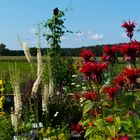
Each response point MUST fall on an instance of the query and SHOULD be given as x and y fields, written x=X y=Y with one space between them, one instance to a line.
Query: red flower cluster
x=77 y=128
x=109 y=53
x=124 y=138
x=136 y=45
x=87 y=69
x=111 y=91
x=120 y=80
x=129 y=26
x=90 y=69
x=132 y=74
x=90 y=95
x=110 y=50
x=127 y=78
x=130 y=50
x=86 y=54
x=93 y=70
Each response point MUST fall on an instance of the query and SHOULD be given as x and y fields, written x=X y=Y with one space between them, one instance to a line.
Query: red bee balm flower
x=110 y=50
x=129 y=26
x=132 y=74
x=77 y=128
x=109 y=53
x=87 y=69
x=111 y=91
x=121 y=138
x=93 y=70
x=86 y=54
x=120 y=80
x=90 y=95
x=130 y=51
x=136 y=45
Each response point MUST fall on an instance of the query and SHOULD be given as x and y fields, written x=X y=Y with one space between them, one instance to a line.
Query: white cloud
x=124 y=35
x=96 y=36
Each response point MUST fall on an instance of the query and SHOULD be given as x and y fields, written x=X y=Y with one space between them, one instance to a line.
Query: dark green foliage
x=64 y=51
x=3 y=49
x=62 y=71
x=6 y=131
x=66 y=108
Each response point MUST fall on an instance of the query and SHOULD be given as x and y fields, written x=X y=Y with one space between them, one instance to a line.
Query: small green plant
x=60 y=133
x=6 y=130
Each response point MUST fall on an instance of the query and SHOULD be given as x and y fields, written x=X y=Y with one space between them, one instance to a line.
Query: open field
x=14 y=58
x=24 y=67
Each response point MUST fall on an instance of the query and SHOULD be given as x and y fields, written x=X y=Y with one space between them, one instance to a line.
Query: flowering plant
x=129 y=26
x=110 y=110
x=2 y=97
x=130 y=51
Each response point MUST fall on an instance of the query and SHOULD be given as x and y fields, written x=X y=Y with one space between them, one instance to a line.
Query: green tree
x=55 y=30
x=2 y=49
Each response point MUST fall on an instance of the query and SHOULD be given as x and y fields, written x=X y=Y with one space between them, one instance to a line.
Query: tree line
x=75 y=52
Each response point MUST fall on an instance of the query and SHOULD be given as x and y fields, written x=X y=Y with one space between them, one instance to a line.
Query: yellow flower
x=1 y=101
x=1 y=82
x=2 y=89
x=61 y=137
x=53 y=138
x=2 y=113
x=48 y=131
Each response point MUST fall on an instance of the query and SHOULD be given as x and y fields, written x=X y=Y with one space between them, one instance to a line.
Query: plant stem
x=36 y=110
x=99 y=97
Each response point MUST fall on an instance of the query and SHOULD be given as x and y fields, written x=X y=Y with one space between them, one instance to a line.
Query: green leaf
x=97 y=137
x=117 y=121
x=88 y=105
x=84 y=122
x=127 y=122
x=99 y=123
x=111 y=130
x=105 y=104
x=136 y=121
x=89 y=131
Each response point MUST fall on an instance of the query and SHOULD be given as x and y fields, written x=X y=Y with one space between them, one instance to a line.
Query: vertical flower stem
x=133 y=100
x=133 y=108
x=99 y=97
x=36 y=110
x=115 y=105
x=130 y=38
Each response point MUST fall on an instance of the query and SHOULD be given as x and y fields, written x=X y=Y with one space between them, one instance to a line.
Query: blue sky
x=99 y=21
